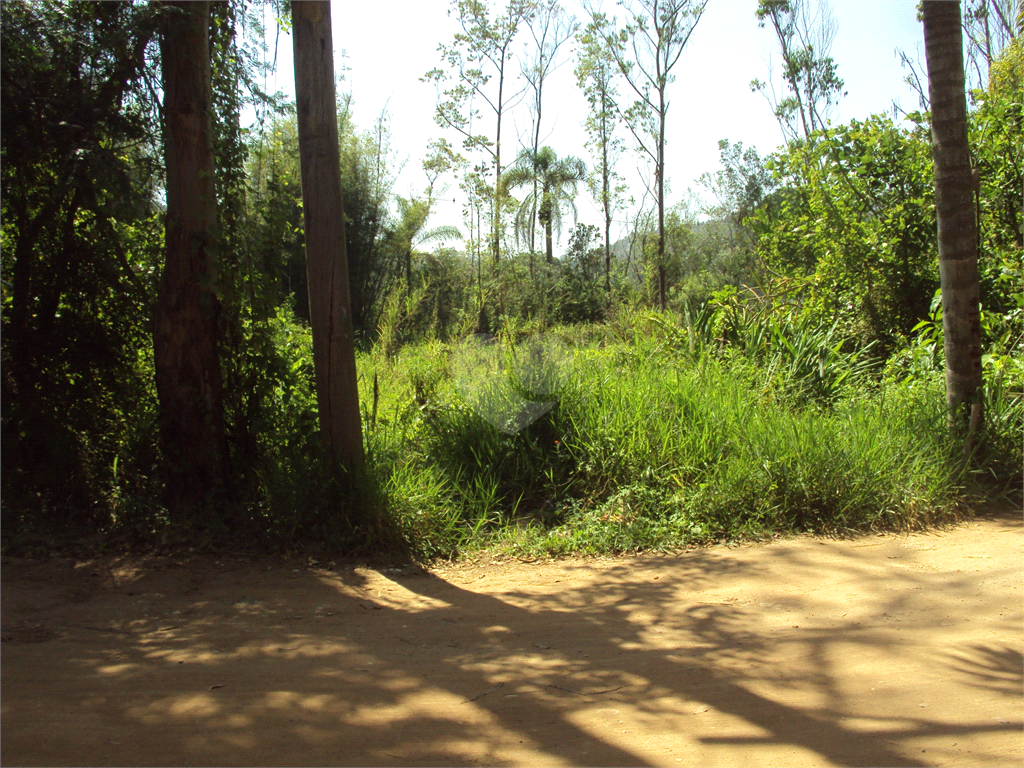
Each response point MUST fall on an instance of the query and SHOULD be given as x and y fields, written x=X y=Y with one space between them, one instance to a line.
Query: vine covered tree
x=80 y=251
x=185 y=349
x=554 y=180
x=955 y=209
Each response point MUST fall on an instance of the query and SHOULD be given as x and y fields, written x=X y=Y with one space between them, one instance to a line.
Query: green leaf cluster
x=854 y=226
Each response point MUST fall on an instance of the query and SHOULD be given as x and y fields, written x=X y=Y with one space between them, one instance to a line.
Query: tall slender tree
x=955 y=208
x=551 y=27
x=334 y=358
x=646 y=51
x=188 y=377
x=595 y=75
x=478 y=61
x=812 y=85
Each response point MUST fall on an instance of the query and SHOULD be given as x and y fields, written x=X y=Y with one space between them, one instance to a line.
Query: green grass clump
x=654 y=443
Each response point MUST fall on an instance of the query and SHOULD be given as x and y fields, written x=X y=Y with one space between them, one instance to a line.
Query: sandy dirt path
x=878 y=651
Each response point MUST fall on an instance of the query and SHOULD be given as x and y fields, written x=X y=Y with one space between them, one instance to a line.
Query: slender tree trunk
x=957 y=225
x=497 y=164
x=536 y=149
x=606 y=200
x=793 y=78
x=661 y=201
x=546 y=218
x=408 y=268
x=479 y=264
x=188 y=376
x=607 y=253
x=533 y=223
x=323 y=218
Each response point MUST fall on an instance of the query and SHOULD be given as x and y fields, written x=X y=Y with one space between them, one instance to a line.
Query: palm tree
x=955 y=208
x=409 y=233
x=556 y=181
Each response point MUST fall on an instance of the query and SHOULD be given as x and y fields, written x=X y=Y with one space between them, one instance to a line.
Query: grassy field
x=657 y=438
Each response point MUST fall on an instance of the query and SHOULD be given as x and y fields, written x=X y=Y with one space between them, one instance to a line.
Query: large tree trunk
x=957 y=225
x=188 y=377
x=334 y=358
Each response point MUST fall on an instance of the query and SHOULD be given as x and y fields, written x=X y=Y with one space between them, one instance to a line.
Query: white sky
x=391 y=45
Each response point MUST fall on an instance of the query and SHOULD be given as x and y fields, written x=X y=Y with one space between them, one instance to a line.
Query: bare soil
x=886 y=650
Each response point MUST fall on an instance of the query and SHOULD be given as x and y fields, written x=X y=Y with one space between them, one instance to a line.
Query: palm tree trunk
x=957 y=225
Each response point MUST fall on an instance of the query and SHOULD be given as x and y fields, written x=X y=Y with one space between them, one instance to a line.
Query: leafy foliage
x=81 y=236
x=854 y=233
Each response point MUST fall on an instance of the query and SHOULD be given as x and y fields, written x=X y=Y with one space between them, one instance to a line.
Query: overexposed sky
x=391 y=45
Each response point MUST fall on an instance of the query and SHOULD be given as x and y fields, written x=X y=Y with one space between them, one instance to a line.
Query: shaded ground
x=885 y=650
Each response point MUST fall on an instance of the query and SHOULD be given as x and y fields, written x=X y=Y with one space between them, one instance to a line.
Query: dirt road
x=884 y=650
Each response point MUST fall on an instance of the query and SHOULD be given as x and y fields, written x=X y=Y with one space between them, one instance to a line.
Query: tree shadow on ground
x=227 y=663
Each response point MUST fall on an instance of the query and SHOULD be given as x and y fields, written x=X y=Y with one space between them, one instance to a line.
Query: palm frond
x=445 y=232
x=553 y=180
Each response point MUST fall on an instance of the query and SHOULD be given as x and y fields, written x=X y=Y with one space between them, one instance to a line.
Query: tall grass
x=658 y=441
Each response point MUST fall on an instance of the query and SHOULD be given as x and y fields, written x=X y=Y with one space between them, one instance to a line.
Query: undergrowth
x=658 y=439
x=662 y=432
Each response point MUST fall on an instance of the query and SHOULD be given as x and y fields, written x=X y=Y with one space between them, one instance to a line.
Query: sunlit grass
x=656 y=444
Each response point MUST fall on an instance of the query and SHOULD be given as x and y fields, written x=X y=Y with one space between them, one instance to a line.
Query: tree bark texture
x=954 y=202
x=323 y=218
x=188 y=376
